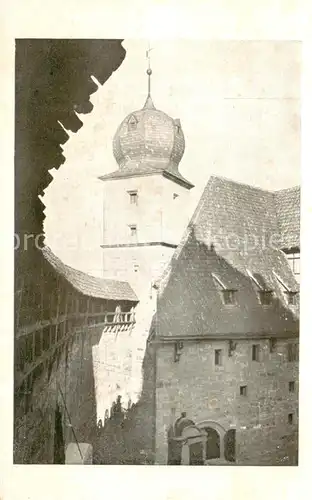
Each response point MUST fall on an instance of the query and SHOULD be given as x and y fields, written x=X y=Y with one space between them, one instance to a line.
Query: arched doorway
x=175 y=440
x=186 y=443
x=229 y=445
x=214 y=449
x=212 y=444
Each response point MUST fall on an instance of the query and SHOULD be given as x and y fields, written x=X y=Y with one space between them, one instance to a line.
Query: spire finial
x=149 y=71
x=149 y=103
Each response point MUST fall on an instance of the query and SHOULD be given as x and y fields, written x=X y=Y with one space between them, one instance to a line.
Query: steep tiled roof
x=287 y=202
x=235 y=230
x=90 y=285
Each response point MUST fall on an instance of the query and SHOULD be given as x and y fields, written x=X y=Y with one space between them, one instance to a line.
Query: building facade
x=220 y=369
x=226 y=335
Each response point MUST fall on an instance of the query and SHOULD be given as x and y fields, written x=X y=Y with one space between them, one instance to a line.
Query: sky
x=239 y=106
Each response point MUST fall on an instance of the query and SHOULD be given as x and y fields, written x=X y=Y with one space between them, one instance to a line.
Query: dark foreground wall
x=52 y=83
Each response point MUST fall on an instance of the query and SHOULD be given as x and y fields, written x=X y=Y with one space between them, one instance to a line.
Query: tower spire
x=149 y=103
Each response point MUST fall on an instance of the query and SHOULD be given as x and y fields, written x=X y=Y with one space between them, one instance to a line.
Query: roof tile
x=88 y=285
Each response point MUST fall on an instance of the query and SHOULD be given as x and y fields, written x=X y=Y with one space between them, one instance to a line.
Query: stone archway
x=194 y=446
x=215 y=439
x=212 y=443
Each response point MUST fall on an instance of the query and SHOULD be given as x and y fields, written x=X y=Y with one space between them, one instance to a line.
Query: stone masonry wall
x=212 y=393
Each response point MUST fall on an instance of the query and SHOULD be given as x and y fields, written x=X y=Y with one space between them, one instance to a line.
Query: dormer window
x=265 y=294
x=132 y=122
x=177 y=125
x=228 y=295
x=291 y=295
x=291 y=298
x=266 y=297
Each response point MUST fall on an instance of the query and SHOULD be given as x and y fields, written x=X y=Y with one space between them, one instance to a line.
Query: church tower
x=145 y=198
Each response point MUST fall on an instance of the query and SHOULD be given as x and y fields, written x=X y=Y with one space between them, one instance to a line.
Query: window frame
x=265 y=294
x=255 y=352
x=273 y=344
x=293 y=257
x=224 y=292
x=132 y=123
x=243 y=390
x=133 y=231
x=218 y=357
x=292 y=352
x=133 y=197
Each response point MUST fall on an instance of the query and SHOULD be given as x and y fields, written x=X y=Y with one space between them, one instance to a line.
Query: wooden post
x=57 y=308
x=20 y=293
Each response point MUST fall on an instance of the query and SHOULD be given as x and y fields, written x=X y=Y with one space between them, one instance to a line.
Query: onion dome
x=149 y=136
x=149 y=141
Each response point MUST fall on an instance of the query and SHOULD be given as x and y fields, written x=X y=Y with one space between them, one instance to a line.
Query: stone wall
x=212 y=393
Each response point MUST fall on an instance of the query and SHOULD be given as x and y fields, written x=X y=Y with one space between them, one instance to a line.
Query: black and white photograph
x=157 y=251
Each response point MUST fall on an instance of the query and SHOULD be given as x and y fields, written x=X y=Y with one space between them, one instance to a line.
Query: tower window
x=291 y=386
x=133 y=231
x=243 y=390
x=290 y=418
x=177 y=124
x=132 y=123
x=133 y=197
x=218 y=357
x=255 y=352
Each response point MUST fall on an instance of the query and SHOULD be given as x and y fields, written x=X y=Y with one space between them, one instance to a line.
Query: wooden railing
x=59 y=338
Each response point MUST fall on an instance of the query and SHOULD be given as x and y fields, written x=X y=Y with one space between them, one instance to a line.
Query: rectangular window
x=228 y=297
x=294 y=262
x=243 y=390
x=273 y=343
x=266 y=297
x=133 y=197
x=293 y=352
x=133 y=231
x=255 y=352
x=291 y=298
x=291 y=386
x=290 y=418
x=218 y=357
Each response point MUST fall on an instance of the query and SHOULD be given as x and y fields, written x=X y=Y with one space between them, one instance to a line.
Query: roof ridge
x=239 y=183
x=257 y=188
x=70 y=268
x=293 y=188
x=88 y=284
